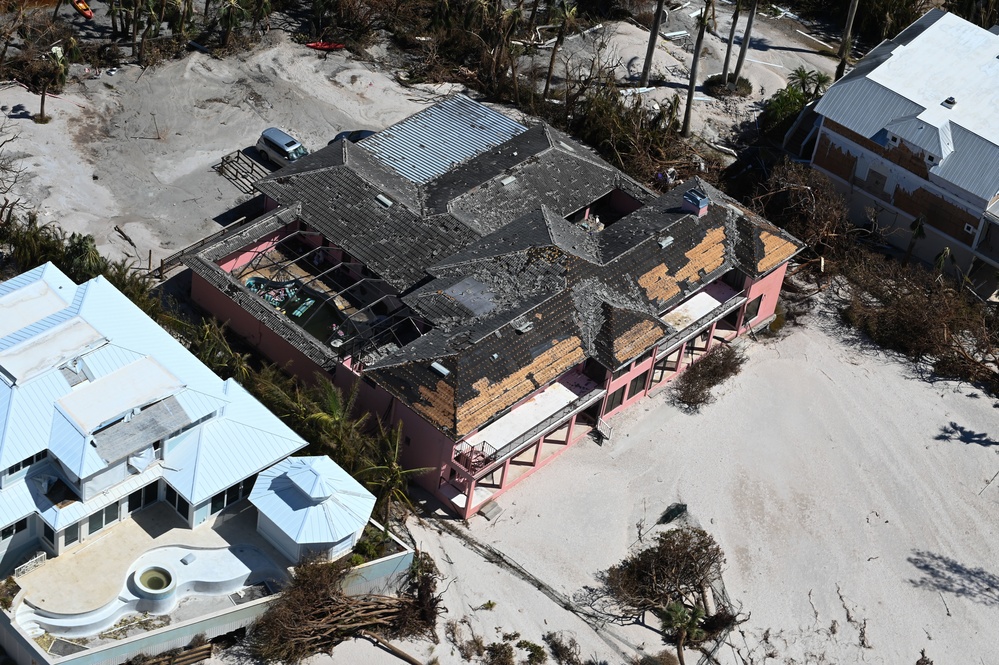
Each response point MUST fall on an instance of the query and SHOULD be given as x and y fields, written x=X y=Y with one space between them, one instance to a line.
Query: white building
x=913 y=131
x=103 y=413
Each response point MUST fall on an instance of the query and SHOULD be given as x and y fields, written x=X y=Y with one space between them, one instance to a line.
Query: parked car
x=353 y=135
x=279 y=148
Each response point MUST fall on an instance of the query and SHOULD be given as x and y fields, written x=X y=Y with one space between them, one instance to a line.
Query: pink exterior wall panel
x=241 y=257
x=244 y=324
x=767 y=287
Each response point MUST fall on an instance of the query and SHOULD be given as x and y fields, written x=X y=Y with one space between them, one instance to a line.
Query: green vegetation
x=926 y=313
x=783 y=107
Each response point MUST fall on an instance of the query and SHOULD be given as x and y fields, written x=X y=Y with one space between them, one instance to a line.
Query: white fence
x=31 y=564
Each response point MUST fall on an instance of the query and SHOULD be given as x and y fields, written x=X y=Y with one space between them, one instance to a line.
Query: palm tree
x=567 y=21
x=702 y=26
x=82 y=261
x=335 y=427
x=685 y=624
x=731 y=41
x=653 y=36
x=820 y=83
x=918 y=233
x=746 y=38
x=846 y=44
x=232 y=15
x=388 y=478
x=803 y=78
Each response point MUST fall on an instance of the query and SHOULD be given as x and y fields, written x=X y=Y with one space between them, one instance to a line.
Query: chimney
x=696 y=202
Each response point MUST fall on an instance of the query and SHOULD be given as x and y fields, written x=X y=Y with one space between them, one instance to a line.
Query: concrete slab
x=91 y=575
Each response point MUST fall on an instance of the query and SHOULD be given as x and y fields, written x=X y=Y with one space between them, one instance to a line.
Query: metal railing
x=537 y=430
x=31 y=564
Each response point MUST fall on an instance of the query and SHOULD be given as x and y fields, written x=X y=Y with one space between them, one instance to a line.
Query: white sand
x=820 y=472
x=152 y=137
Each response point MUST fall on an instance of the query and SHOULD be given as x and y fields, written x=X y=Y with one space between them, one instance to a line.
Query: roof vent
x=696 y=202
x=494 y=357
x=384 y=200
x=950 y=102
x=665 y=242
x=509 y=180
x=440 y=369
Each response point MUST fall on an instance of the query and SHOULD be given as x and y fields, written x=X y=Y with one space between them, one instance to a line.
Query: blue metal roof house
x=103 y=413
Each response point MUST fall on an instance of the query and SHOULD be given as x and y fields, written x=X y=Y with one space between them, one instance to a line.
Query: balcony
x=480 y=454
x=699 y=311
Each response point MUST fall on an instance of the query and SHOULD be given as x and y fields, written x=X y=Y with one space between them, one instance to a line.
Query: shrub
x=693 y=387
x=564 y=648
x=535 y=652
x=499 y=653
x=781 y=110
x=661 y=658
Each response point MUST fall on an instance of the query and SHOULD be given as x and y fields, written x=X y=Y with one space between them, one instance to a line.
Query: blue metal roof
x=433 y=141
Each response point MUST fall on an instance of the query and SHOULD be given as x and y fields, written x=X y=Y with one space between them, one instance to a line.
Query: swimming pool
x=307 y=308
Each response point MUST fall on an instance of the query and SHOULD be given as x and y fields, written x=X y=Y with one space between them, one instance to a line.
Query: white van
x=278 y=148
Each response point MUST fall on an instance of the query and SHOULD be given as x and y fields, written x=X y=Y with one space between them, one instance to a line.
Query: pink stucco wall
x=769 y=287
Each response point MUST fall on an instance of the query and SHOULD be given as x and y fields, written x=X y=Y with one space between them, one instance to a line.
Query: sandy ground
x=848 y=493
x=776 y=49
x=136 y=149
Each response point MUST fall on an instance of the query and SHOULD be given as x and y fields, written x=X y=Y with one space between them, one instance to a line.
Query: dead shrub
x=563 y=647
x=499 y=653
x=692 y=389
x=661 y=658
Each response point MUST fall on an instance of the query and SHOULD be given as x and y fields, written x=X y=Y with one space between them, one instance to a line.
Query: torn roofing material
x=553 y=305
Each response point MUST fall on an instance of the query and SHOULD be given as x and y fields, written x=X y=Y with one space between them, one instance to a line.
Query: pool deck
x=93 y=574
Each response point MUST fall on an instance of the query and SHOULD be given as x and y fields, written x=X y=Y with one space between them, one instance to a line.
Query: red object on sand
x=82 y=7
x=326 y=46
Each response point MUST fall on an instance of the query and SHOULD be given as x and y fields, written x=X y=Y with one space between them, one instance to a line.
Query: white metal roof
x=305 y=517
x=431 y=142
x=27 y=305
x=223 y=451
x=903 y=84
x=132 y=386
x=137 y=363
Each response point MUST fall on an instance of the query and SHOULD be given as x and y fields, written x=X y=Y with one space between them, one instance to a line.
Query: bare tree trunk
x=41 y=110
x=551 y=63
x=745 y=41
x=844 y=47
x=530 y=21
x=731 y=42
x=135 y=30
x=56 y=11
x=657 y=19
x=694 y=66
x=113 y=10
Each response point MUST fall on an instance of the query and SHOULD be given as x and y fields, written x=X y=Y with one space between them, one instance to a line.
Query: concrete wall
x=872 y=177
x=278 y=538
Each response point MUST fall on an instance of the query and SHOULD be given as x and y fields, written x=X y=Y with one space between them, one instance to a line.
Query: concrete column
x=537 y=452
x=568 y=433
